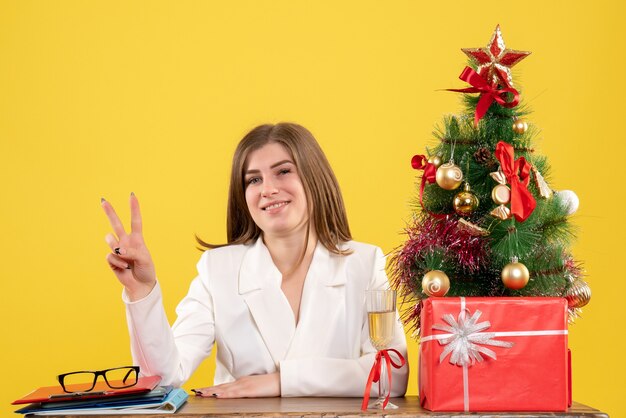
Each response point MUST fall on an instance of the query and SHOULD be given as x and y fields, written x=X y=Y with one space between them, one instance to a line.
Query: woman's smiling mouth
x=275 y=205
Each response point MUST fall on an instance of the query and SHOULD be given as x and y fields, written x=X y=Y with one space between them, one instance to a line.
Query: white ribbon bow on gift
x=464 y=339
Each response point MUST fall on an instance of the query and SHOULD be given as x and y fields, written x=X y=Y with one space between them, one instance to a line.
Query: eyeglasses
x=85 y=381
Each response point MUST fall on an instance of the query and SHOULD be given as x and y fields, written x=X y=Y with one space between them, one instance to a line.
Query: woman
x=283 y=300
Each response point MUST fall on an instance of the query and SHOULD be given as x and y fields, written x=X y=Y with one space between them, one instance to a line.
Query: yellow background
x=101 y=98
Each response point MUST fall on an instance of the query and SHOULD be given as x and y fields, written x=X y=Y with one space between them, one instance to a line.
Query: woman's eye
x=284 y=171
x=253 y=180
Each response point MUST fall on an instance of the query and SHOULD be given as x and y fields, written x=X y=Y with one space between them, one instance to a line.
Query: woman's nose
x=268 y=189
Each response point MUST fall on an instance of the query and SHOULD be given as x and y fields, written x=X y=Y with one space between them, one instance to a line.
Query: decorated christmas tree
x=486 y=221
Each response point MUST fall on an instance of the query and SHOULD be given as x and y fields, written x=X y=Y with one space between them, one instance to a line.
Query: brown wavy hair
x=324 y=201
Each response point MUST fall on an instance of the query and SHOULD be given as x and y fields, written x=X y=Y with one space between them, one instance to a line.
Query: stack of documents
x=144 y=398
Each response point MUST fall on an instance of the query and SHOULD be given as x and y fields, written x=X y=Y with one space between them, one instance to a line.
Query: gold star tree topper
x=495 y=61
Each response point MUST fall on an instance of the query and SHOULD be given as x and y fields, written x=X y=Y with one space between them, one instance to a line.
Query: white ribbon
x=465 y=340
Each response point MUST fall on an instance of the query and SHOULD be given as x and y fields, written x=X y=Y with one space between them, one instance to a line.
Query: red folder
x=101 y=390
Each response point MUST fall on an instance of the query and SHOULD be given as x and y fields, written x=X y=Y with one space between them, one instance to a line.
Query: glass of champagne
x=381 y=312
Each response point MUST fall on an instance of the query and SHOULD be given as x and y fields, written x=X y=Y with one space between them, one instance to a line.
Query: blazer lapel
x=259 y=285
x=323 y=302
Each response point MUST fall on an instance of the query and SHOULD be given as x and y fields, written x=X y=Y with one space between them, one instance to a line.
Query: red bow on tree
x=374 y=376
x=522 y=201
x=488 y=93
x=420 y=162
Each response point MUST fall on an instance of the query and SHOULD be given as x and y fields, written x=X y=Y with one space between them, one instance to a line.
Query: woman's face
x=274 y=192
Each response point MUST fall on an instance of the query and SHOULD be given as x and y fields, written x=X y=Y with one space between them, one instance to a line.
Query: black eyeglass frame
x=131 y=369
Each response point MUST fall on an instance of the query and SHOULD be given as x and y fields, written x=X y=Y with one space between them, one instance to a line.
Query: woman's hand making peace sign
x=130 y=259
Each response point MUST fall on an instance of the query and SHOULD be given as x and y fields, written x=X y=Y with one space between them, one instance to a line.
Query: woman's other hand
x=257 y=386
x=130 y=259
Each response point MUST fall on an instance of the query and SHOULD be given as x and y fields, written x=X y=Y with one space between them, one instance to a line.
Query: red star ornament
x=495 y=61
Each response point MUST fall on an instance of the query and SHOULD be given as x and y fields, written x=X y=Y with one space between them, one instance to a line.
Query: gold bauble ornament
x=449 y=176
x=578 y=294
x=435 y=160
x=435 y=283
x=465 y=202
x=520 y=126
x=515 y=275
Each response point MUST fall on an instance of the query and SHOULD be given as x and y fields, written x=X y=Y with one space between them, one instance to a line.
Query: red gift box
x=494 y=354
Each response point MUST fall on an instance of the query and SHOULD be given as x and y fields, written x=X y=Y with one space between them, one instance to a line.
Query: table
x=336 y=407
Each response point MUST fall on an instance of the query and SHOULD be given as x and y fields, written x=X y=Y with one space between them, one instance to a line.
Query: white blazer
x=237 y=303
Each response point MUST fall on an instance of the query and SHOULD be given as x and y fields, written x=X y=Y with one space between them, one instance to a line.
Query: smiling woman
x=283 y=300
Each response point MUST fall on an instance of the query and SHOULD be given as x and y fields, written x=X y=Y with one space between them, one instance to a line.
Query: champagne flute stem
x=383 y=381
